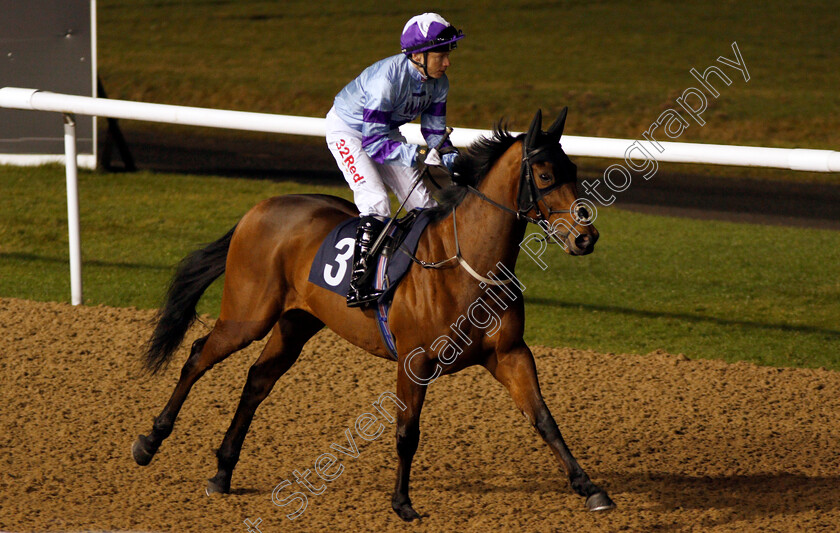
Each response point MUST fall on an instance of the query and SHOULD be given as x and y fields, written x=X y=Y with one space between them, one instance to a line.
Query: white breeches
x=368 y=178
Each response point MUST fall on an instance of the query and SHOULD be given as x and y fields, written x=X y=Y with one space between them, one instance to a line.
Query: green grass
x=135 y=227
x=707 y=289
x=617 y=65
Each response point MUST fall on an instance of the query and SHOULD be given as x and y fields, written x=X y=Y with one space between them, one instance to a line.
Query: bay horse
x=499 y=185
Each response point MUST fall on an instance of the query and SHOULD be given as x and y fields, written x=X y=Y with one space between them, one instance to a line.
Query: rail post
x=75 y=239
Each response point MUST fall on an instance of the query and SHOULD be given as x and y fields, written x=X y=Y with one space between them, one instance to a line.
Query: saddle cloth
x=333 y=263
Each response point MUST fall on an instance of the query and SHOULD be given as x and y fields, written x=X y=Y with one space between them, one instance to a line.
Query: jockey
x=363 y=135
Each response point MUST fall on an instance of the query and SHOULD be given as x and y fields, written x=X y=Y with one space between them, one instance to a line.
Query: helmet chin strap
x=422 y=65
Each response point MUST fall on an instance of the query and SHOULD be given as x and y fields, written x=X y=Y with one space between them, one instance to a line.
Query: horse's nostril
x=583 y=241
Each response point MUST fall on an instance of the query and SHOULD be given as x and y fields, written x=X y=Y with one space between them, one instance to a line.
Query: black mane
x=470 y=167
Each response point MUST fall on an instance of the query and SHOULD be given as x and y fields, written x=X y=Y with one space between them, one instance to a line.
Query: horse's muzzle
x=583 y=244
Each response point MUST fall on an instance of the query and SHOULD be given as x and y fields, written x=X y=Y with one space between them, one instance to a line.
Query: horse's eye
x=545 y=177
x=583 y=214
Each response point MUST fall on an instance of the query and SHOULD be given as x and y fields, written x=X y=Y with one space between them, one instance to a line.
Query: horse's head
x=548 y=189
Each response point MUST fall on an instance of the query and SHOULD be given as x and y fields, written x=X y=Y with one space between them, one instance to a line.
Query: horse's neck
x=487 y=234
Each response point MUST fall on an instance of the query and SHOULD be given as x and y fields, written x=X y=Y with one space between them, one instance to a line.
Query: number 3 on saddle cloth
x=333 y=263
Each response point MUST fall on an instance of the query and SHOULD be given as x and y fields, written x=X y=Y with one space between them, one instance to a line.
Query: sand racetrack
x=679 y=444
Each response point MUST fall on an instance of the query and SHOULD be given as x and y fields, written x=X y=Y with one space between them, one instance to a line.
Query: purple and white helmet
x=429 y=31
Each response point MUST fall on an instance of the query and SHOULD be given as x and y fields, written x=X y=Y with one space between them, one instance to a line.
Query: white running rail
x=69 y=105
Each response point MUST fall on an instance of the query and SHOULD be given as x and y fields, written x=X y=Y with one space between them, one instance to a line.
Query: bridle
x=530 y=194
x=528 y=199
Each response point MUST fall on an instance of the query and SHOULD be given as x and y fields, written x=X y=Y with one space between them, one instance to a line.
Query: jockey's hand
x=433 y=158
x=449 y=160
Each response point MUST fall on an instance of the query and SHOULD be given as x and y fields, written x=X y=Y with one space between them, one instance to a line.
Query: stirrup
x=356 y=298
x=362 y=292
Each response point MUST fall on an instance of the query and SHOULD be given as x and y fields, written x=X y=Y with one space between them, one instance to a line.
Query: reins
x=528 y=196
x=457 y=257
x=526 y=175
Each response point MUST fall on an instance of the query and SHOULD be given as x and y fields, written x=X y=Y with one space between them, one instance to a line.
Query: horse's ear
x=556 y=129
x=534 y=130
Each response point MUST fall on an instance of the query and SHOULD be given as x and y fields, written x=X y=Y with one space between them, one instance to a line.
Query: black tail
x=195 y=273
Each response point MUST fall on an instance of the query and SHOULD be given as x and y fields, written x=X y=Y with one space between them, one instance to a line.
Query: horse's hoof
x=599 y=502
x=406 y=512
x=140 y=450
x=214 y=487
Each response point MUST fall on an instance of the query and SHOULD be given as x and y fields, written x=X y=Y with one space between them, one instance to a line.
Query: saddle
x=332 y=265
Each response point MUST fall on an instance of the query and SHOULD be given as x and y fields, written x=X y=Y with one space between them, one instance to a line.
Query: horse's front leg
x=408 y=436
x=516 y=370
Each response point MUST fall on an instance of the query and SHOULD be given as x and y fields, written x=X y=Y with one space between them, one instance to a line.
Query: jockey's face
x=437 y=63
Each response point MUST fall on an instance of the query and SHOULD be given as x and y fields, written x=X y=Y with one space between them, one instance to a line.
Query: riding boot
x=361 y=290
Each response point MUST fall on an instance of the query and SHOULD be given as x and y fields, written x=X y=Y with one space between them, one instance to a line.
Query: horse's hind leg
x=517 y=372
x=280 y=353
x=226 y=338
